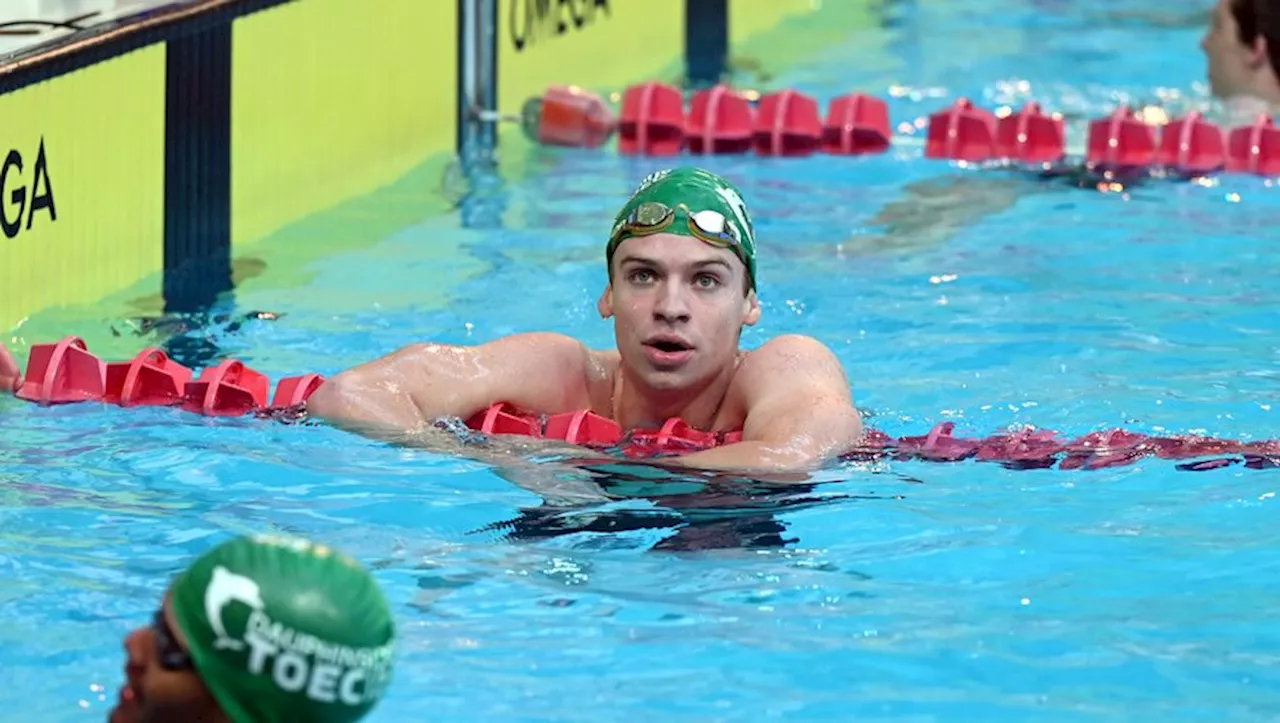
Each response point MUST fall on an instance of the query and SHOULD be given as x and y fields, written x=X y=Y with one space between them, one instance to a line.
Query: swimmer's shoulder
x=781 y=357
x=791 y=349
x=785 y=359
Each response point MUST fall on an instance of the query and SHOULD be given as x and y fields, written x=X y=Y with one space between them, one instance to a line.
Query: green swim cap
x=653 y=208
x=284 y=629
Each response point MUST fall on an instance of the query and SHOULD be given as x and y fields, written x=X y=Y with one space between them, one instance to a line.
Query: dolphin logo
x=739 y=208
x=224 y=587
x=651 y=179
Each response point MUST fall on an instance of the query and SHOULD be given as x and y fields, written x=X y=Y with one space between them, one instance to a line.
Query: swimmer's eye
x=706 y=281
x=640 y=276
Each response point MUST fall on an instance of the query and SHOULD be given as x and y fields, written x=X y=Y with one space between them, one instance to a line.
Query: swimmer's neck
x=1251 y=101
x=636 y=405
x=1243 y=109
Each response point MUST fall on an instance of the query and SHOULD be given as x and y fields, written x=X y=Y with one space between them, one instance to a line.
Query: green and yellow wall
x=141 y=164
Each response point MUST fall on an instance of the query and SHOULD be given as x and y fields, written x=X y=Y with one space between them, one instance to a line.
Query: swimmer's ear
x=1258 y=56
x=605 y=305
x=750 y=309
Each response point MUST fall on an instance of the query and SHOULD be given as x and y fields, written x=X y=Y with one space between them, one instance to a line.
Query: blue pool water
x=882 y=591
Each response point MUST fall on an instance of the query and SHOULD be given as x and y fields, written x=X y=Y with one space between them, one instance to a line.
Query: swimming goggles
x=653 y=217
x=170 y=653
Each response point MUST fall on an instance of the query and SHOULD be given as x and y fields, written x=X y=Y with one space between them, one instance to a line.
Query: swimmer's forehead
x=669 y=251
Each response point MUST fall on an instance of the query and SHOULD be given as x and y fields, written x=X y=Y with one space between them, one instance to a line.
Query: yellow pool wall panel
x=89 y=214
x=334 y=99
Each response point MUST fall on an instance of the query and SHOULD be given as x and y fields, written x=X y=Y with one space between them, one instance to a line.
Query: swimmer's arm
x=10 y=374
x=407 y=390
x=800 y=412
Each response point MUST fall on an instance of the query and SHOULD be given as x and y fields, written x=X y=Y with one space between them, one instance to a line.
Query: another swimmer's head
x=681 y=257
x=262 y=630
x=1242 y=45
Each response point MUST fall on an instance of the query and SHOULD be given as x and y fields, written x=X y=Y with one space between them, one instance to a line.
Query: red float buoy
x=583 y=427
x=228 y=389
x=856 y=124
x=1121 y=140
x=1192 y=145
x=63 y=372
x=504 y=418
x=1031 y=136
x=787 y=124
x=1254 y=148
x=720 y=121
x=652 y=120
x=150 y=379
x=567 y=115
x=962 y=132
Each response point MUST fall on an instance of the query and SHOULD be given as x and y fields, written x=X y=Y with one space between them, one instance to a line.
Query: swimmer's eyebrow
x=632 y=260
x=646 y=261
x=712 y=262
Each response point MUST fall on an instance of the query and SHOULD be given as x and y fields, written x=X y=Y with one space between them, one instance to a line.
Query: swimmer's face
x=679 y=307
x=154 y=693
x=1232 y=63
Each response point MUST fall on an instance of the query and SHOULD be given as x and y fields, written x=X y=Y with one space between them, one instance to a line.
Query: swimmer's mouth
x=128 y=704
x=668 y=344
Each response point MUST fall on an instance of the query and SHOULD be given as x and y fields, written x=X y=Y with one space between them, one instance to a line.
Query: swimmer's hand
x=10 y=374
x=800 y=413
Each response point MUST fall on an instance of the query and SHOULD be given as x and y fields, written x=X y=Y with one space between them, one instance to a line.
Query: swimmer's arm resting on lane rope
x=10 y=375
x=800 y=411
x=407 y=390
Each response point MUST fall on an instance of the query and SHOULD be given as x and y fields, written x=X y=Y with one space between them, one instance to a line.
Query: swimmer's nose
x=137 y=648
x=671 y=305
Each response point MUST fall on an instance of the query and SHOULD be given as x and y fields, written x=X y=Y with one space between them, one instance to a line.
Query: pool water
x=890 y=590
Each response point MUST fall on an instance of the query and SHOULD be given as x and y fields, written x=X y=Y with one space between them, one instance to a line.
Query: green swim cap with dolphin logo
x=284 y=629
x=688 y=201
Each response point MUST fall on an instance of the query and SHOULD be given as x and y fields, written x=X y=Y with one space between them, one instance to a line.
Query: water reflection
x=192 y=338
x=700 y=510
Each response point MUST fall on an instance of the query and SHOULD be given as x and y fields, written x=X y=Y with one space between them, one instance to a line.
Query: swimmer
x=262 y=630
x=681 y=263
x=1242 y=47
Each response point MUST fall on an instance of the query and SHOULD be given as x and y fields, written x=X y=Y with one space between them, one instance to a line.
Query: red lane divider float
x=653 y=120
x=588 y=429
x=67 y=372
x=568 y=116
x=962 y=132
x=1192 y=146
x=721 y=121
x=1040 y=449
x=151 y=379
x=1023 y=449
x=787 y=124
x=63 y=372
x=1255 y=148
x=856 y=124
x=1121 y=141
x=1031 y=136
x=229 y=389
